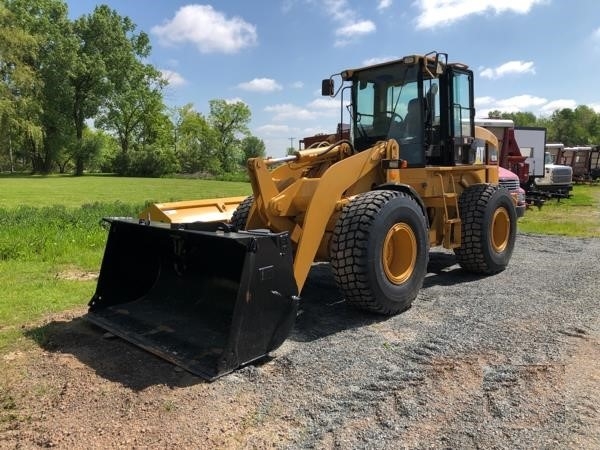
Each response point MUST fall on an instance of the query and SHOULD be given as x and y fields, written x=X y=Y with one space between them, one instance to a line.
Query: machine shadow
x=323 y=312
x=112 y=358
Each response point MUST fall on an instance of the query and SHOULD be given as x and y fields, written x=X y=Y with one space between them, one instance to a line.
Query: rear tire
x=489 y=229
x=379 y=251
x=240 y=215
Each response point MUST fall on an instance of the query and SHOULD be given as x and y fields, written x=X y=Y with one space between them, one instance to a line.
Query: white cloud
x=508 y=68
x=351 y=27
x=483 y=101
x=273 y=130
x=316 y=109
x=595 y=107
x=288 y=111
x=234 y=100
x=338 y=10
x=297 y=85
x=594 y=39
x=209 y=30
x=173 y=78
x=384 y=4
x=325 y=104
x=523 y=103
x=260 y=85
x=355 y=29
x=552 y=106
x=349 y=33
x=446 y=12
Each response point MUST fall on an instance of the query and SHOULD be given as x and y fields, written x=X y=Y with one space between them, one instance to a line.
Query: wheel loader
x=212 y=285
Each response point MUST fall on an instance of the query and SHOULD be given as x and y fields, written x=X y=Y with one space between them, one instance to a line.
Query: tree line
x=77 y=95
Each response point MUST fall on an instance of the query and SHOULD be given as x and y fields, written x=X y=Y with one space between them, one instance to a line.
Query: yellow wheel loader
x=213 y=285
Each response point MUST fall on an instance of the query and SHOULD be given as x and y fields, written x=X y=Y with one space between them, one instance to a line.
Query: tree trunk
x=79 y=166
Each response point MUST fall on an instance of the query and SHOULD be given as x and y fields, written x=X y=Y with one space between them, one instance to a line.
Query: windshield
x=387 y=105
x=548 y=159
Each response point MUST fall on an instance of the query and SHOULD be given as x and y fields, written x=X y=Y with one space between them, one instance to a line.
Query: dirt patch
x=77 y=275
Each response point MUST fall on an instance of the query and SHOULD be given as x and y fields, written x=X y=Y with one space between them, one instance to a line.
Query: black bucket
x=208 y=301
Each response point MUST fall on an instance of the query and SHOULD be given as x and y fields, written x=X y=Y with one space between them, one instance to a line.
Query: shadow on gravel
x=323 y=312
x=443 y=270
x=111 y=358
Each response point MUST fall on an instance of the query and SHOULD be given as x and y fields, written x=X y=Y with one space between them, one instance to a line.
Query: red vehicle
x=511 y=182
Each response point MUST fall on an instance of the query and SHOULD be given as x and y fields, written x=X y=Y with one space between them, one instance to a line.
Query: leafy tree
x=108 y=52
x=521 y=119
x=252 y=147
x=20 y=86
x=127 y=111
x=230 y=123
x=196 y=142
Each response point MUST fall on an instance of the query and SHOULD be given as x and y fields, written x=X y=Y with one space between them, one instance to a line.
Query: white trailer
x=532 y=143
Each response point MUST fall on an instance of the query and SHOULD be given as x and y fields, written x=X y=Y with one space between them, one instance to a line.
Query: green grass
x=578 y=216
x=72 y=191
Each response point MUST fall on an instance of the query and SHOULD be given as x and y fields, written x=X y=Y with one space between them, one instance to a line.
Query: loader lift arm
x=324 y=196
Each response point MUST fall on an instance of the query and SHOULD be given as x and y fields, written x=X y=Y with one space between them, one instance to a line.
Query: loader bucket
x=208 y=301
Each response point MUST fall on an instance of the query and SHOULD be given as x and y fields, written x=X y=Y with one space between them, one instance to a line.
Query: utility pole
x=292 y=142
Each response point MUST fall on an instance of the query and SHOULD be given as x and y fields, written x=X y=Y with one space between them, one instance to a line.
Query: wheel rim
x=399 y=253
x=500 y=229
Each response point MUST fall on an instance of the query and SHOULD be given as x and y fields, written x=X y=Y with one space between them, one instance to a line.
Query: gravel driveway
x=508 y=361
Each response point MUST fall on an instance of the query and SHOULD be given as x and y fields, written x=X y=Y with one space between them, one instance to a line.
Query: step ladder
x=452 y=221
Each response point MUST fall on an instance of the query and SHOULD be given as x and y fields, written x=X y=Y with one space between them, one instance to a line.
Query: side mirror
x=327 y=87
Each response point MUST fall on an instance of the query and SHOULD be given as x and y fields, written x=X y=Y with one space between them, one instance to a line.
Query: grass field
x=577 y=216
x=51 y=240
x=72 y=191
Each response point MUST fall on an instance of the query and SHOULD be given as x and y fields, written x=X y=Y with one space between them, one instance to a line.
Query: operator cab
x=422 y=102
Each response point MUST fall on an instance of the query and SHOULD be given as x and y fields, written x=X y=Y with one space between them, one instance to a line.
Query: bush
x=150 y=161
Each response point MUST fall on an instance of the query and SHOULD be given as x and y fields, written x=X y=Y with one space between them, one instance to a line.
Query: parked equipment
x=415 y=173
x=583 y=160
x=524 y=151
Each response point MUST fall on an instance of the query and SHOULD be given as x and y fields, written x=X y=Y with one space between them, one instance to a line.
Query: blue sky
x=527 y=55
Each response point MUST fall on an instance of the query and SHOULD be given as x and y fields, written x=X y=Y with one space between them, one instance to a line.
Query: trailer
x=584 y=160
x=523 y=151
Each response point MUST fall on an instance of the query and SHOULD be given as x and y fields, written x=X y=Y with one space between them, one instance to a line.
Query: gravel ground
x=509 y=361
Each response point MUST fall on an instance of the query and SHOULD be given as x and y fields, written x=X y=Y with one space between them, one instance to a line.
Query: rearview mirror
x=327 y=87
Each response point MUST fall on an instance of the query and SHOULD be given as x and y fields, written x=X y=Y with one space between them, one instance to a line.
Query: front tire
x=489 y=229
x=380 y=250
x=239 y=218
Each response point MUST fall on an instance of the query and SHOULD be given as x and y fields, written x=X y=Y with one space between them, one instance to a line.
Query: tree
x=196 y=142
x=20 y=86
x=230 y=123
x=127 y=111
x=252 y=147
x=521 y=119
x=108 y=50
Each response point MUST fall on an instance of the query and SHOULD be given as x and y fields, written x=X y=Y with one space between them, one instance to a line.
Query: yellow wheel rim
x=399 y=253
x=500 y=229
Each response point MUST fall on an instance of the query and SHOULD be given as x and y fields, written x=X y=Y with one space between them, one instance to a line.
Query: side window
x=462 y=105
x=366 y=100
